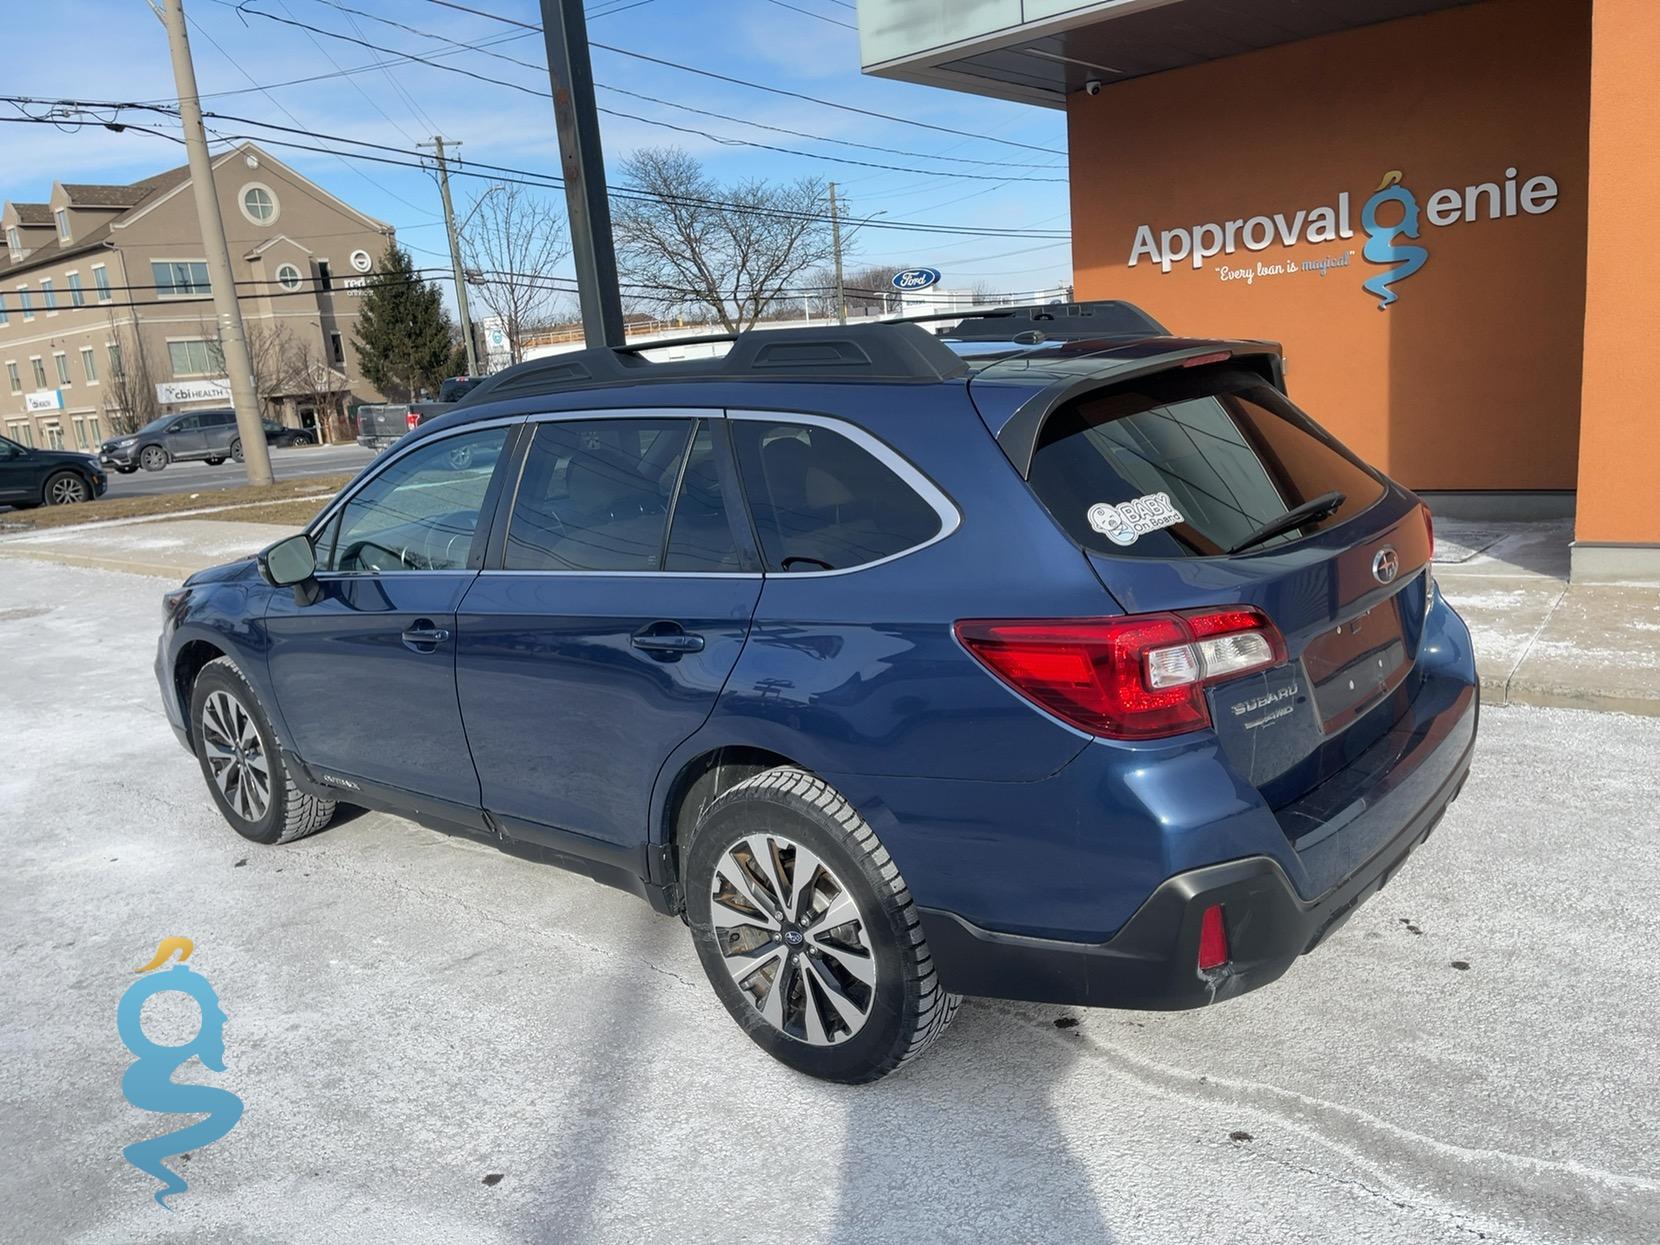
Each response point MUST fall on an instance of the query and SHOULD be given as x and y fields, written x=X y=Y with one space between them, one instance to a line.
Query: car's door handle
x=666 y=640
x=423 y=637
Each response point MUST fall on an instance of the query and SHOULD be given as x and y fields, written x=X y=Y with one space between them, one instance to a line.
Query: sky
x=117 y=50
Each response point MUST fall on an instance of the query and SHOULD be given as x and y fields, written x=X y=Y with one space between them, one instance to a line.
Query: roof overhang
x=1040 y=51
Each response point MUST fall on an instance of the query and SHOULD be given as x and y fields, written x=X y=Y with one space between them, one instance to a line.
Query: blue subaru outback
x=1059 y=660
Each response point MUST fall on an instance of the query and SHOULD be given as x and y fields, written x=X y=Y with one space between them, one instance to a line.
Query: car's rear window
x=1191 y=464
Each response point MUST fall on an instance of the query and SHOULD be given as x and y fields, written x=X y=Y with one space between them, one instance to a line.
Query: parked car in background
x=1091 y=671
x=194 y=436
x=455 y=388
x=30 y=477
x=282 y=434
x=379 y=426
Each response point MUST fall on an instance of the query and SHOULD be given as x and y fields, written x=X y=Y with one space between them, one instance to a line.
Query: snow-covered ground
x=411 y=1014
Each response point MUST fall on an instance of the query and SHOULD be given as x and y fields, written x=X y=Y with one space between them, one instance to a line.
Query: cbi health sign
x=1396 y=222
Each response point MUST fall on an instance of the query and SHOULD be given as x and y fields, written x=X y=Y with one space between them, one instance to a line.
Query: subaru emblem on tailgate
x=1386 y=566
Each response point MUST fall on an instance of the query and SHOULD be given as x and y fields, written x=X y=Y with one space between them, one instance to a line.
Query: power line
x=483 y=170
x=757 y=86
x=725 y=140
x=809 y=13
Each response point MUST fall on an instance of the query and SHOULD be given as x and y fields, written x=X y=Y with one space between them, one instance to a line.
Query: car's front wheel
x=153 y=458
x=808 y=933
x=65 y=489
x=242 y=762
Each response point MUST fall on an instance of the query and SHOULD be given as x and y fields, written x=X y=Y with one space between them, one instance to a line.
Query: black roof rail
x=882 y=351
x=1040 y=322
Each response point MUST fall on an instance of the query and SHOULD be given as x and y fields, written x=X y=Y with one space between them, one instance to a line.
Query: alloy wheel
x=236 y=756
x=66 y=490
x=792 y=936
x=154 y=458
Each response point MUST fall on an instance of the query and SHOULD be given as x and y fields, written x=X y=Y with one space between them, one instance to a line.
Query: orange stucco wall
x=1619 y=464
x=1471 y=379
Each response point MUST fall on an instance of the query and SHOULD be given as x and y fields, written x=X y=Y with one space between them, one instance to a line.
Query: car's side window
x=420 y=513
x=188 y=423
x=595 y=495
x=823 y=503
x=703 y=534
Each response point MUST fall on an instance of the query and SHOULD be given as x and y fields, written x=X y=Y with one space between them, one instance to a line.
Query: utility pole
x=565 y=31
x=455 y=254
x=836 y=243
x=233 y=341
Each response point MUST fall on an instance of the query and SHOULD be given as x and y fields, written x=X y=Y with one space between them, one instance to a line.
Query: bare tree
x=511 y=247
x=867 y=290
x=729 y=251
x=129 y=400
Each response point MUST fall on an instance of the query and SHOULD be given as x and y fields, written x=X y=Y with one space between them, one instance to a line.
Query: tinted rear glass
x=1190 y=464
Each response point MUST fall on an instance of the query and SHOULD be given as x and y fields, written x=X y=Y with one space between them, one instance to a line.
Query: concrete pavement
x=437 y=1042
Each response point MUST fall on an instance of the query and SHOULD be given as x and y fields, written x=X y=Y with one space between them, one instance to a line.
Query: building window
x=115 y=358
x=180 y=278
x=54 y=436
x=12 y=376
x=77 y=295
x=288 y=277
x=25 y=302
x=62 y=217
x=101 y=279
x=89 y=365
x=48 y=296
x=325 y=278
x=22 y=432
x=39 y=370
x=14 y=243
x=5 y=316
x=337 y=348
x=195 y=357
x=258 y=204
x=62 y=360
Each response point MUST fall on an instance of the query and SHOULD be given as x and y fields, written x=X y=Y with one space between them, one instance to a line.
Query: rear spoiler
x=1019 y=435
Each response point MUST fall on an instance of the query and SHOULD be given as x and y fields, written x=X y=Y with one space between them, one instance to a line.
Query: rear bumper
x=1151 y=963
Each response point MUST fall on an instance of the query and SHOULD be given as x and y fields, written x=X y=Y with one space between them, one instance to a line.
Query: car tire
x=152 y=458
x=126 y=471
x=847 y=1002
x=234 y=740
x=236 y=449
x=214 y=462
x=65 y=488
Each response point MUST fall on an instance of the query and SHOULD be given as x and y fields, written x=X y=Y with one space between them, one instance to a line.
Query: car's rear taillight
x=412 y=419
x=1141 y=676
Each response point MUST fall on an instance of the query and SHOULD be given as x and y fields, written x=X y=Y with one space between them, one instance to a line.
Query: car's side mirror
x=291 y=563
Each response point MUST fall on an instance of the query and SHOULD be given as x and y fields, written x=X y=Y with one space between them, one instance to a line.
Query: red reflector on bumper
x=1213 y=940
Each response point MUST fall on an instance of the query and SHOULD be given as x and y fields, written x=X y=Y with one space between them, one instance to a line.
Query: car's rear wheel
x=65 y=489
x=243 y=763
x=808 y=933
x=236 y=449
x=126 y=471
x=152 y=458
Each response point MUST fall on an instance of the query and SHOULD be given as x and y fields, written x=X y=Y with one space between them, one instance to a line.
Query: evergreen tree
x=403 y=332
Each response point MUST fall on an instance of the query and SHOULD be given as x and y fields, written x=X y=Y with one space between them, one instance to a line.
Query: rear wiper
x=1312 y=509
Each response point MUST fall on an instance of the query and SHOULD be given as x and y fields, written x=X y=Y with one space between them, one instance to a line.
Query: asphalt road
x=286 y=464
x=412 y=1016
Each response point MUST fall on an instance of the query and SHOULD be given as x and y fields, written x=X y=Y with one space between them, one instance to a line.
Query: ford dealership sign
x=915 y=279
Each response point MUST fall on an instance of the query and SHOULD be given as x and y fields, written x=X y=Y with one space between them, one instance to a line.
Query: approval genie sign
x=1390 y=213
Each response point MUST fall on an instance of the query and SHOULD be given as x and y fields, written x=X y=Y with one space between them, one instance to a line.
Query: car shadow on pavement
x=968 y=1144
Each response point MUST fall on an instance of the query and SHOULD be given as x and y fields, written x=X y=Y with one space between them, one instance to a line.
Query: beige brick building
x=106 y=315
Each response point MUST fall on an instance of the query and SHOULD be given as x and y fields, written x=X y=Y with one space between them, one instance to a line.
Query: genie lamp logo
x=915 y=279
x=149 y=1085
x=1381 y=247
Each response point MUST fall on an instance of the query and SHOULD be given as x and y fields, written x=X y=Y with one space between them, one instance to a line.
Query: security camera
x=1093 y=86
